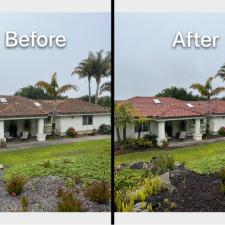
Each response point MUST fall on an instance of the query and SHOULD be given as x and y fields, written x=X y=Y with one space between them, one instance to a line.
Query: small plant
x=124 y=201
x=71 y=132
x=136 y=144
x=173 y=205
x=66 y=161
x=3 y=143
x=165 y=144
x=163 y=162
x=69 y=203
x=153 y=186
x=77 y=179
x=98 y=192
x=104 y=129
x=47 y=164
x=140 y=195
x=15 y=185
x=222 y=174
x=221 y=131
x=24 y=203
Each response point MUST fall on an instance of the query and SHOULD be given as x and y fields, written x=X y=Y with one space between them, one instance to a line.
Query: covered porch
x=22 y=129
x=175 y=130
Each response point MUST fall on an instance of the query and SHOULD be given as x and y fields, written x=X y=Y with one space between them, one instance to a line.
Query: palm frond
x=106 y=87
x=66 y=88
x=46 y=87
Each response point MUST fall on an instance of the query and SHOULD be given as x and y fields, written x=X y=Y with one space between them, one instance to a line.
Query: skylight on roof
x=190 y=105
x=37 y=104
x=156 y=101
x=3 y=100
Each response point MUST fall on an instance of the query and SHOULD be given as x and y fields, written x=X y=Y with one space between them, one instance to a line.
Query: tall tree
x=179 y=93
x=206 y=90
x=32 y=93
x=123 y=116
x=85 y=69
x=106 y=87
x=102 y=68
x=54 y=90
x=221 y=72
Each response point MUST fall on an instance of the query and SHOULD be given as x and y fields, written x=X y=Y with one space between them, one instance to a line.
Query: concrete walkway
x=32 y=144
x=195 y=143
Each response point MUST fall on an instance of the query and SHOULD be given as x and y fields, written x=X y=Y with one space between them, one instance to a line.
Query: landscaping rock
x=1 y=167
x=165 y=178
x=140 y=207
x=155 y=201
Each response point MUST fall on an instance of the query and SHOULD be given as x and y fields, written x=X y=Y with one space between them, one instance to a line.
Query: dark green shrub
x=24 y=203
x=98 y=192
x=136 y=144
x=71 y=132
x=221 y=131
x=68 y=202
x=151 y=137
x=14 y=186
x=104 y=129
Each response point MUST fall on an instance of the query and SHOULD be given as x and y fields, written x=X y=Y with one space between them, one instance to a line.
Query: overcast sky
x=145 y=62
x=20 y=67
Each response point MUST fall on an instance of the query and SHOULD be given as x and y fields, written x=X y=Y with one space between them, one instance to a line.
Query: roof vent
x=3 y=100
x=156 y=101
x=189 y=105
x=37 y=104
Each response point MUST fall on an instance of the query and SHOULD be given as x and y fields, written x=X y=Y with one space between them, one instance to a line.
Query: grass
x=90 y=160
x=203 y=159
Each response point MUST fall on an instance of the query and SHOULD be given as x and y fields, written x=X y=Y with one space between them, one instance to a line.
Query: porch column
x=40 y=135
x=197 y=136
x=2 y=130
x=33 y=128
x=161 y=133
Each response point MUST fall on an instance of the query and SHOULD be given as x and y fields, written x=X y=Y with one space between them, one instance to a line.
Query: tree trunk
x=125 y=132
x=118 y=134
x=53 y=116
x=97 y=90
x=89 y=88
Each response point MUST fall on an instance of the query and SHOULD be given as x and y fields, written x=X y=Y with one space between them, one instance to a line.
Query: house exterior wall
x=76 y=121
x=215 y=123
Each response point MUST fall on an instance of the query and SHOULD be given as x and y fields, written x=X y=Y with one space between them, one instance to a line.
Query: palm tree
x=85 y=70
x=139 y=122
x=123 y=116
x=206 y=89
x=221 y=72
x=53 y=90
x=106 y=87
x=207 y=92
x=102 y=68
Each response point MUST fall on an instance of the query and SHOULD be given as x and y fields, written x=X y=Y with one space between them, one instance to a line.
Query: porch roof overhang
x=23 y=117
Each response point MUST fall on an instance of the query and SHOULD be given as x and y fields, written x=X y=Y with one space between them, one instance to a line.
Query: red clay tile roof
x=174 y=108
x=18 y=106
x=73 y=106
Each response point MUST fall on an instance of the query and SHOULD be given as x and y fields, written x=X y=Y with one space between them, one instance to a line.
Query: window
x=142 y=127
x=48 y=120
x=146 y=126
x=37 y=104
x=87 y=120
x=156 y=101
x=3 y=100
x=189 y=105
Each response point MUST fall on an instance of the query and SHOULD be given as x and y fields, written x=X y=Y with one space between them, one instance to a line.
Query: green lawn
x=90 y=160
x=203 y=159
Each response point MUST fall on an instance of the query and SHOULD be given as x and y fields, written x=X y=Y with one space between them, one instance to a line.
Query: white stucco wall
x=216 y=123
x=76 y=121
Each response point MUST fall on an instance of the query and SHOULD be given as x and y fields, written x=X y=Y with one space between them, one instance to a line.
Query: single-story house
x=19 y=114
x=169 y=117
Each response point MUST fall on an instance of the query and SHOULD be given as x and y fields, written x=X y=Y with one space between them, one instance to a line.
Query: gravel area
x=41 y=193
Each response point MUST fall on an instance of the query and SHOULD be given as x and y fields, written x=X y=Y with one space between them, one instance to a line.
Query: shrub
x=124 y=201
x=15 y=185
x=69 y=203
x=66 y=161
x=136 y=144
x=24 y=203
x=46 y=164
x=221 y=131
x=98 y=192
x=151 y=137
x=165 y=144
x=153 y=186
x=222 y=174
x=163 y=162
x=77 y=179
x=140 y=195
x=71 y=132
x=104 y=129
x=3 y=143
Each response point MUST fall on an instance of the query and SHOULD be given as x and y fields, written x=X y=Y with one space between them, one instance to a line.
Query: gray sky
x=20 y=67
x=145 y=63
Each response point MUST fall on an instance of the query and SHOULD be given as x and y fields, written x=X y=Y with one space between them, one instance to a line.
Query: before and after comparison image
x=112 y=112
